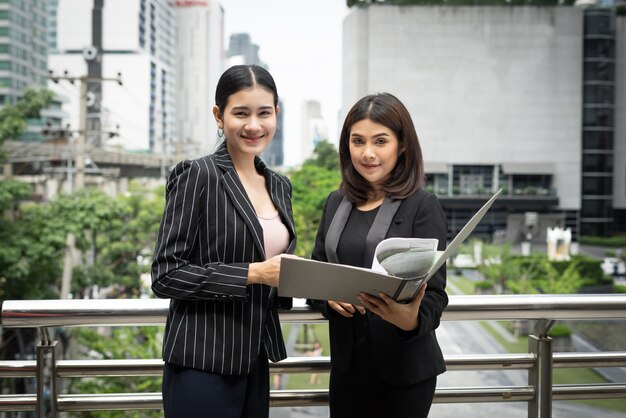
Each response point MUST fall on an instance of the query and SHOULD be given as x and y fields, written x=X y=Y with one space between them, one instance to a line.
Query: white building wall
x=120 y=24
x=619 y=171
x=200 y=63
x=484 y=85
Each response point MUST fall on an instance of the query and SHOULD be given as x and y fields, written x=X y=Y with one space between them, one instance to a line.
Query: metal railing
x=539 y=361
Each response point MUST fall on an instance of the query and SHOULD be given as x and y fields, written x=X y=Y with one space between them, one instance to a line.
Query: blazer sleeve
x=430 y=221
x=173 y=273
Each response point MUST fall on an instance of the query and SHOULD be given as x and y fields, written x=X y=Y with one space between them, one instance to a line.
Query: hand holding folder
x=399 y=268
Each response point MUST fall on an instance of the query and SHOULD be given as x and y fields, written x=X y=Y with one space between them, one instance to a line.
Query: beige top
x=275 y=235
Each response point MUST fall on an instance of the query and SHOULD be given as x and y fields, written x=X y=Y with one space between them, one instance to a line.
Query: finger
x=347 y=306
x=360 y=308
x=339 y=309
x=385 y=298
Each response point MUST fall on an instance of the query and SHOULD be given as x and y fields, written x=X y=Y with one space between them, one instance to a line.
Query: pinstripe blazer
x=209 y=234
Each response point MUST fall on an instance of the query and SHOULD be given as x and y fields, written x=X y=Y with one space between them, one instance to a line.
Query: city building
x=241 y=50
x=100 y=42
x=522 y=98
x=24 y=60
x=200 y=62
x=313 y=128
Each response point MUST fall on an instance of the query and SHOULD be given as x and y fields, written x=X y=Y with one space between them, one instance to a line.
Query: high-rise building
x=313 y=128
x=522 y=98
x=200 y=62
x=101 y=40
x=241 y=50
x=23 y=47
x=24 y=60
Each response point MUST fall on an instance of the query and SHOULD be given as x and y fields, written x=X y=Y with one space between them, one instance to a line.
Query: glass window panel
x=597 y=163
x=592 y=208
x=597 y=186
x=599 y=140
x=598 y=25
x=599 y=48
x=599 y=94
x=598 y=116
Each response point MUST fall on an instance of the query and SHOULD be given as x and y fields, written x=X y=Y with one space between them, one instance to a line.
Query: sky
x=301 y=42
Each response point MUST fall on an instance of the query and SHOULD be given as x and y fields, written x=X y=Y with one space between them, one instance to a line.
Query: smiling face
x=248 y=121
x=373 y=151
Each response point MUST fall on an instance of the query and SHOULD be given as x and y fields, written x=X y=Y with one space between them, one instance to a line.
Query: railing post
x=540 y=376
x=46 y=372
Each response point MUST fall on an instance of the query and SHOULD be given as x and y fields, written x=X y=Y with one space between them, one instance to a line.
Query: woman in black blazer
x=226 y=221
x=384 y=355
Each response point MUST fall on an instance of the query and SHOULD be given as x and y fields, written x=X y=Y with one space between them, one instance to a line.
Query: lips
x=370 y=166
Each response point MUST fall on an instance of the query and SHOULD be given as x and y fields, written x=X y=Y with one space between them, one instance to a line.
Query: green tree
x=325 y=156
x=14 y=118
x=118 y=343
x=312 y=184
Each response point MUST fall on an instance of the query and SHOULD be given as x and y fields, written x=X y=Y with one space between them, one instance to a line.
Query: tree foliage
x=13 y=118
x=312 y=184
x=118 y=343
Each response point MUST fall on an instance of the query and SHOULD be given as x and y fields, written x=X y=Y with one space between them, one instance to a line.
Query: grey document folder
x=304 y=278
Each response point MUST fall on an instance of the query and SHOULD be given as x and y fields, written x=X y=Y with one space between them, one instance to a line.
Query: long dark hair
x=239 y=77
x=408 y=174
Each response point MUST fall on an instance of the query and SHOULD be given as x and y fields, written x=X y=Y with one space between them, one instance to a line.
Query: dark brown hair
x=408 y=174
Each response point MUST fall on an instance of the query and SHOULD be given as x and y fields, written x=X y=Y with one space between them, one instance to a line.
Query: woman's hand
x=346 y=309
x=403 y=315
x=265 y=272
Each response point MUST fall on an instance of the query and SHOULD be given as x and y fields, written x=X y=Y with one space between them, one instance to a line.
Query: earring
x=220 y=132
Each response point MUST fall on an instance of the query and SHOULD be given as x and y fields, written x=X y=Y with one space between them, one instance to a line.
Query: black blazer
x=402 y=358
x=208 y=236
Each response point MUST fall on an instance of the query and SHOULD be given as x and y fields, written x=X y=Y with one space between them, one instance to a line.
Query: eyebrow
x=378 y=135
x=243 y=107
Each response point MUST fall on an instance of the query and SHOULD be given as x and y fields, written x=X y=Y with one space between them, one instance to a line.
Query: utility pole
x=79 y=157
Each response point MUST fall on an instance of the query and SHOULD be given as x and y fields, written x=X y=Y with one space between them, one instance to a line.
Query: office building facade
x=520 y=98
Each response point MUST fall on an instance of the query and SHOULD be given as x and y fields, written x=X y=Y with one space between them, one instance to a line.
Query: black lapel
x=239 y=199
x=336 y=228
x=377 y=232
x=379 y=228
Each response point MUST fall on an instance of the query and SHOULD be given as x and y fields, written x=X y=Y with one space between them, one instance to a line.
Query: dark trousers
x=355 y=396
x=191 y=393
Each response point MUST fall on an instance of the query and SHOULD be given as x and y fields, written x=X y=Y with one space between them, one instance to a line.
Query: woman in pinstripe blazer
x=226 y=221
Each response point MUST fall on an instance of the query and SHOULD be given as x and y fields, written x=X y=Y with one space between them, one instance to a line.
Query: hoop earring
x=220 y=132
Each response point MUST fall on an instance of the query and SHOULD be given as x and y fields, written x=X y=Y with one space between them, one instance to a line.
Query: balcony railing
x=539 y=361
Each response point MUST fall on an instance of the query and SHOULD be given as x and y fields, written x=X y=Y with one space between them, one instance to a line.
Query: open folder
x=399 y=268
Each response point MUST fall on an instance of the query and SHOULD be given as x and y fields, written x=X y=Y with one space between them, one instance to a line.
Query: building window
x=597 y=163
x=600 y=140
x=602 y=186
x=599 y=94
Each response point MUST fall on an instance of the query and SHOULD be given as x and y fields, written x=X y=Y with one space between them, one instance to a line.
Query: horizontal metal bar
x=513 y=361
x=18 y=368
x=283 y=398
x=82 y=312
x=116 y=368
x=109 y=402
x=596 y=391
x=16 y=403
x=600 y=359
x=321 y=364
x=484 y=394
